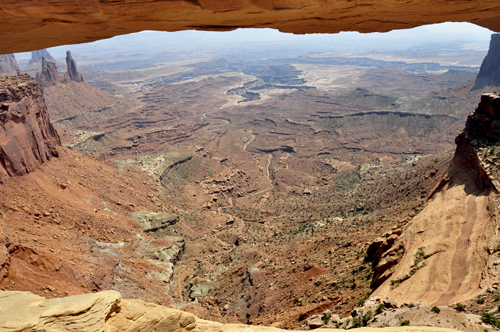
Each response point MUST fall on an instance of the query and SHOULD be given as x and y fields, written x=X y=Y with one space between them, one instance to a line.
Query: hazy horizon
x=476 y=37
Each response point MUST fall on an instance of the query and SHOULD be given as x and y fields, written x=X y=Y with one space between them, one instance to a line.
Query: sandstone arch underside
x=35 y=24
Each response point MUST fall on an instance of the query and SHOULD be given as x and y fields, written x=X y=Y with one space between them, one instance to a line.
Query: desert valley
x=273 y=184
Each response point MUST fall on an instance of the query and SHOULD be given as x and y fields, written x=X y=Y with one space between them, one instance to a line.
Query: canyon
x=268 y=193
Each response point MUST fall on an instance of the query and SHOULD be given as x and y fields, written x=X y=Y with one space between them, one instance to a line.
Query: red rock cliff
x=27 y=137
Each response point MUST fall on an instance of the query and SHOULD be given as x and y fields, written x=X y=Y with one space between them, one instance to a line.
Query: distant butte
x=36 y=56
x=8 y=65
x=36 y=25
x=489 y=74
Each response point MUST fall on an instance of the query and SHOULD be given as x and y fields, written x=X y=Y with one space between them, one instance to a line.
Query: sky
x=154 y=41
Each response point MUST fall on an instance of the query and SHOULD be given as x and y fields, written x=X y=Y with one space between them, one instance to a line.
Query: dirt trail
x=252 y=137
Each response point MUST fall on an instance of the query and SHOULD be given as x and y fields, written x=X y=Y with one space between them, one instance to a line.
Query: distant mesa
x=50 y=77
x=36 y=56
x=489 y=73
x=35 y=64
x=8 y=65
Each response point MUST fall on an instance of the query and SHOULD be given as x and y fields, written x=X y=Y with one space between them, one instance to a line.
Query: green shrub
x=460 y=307
x=436 y=310
x=380 y=309
x=405 y=323
x=480 y=301
x=367 y=317
x=361 y=302
x=489 y=318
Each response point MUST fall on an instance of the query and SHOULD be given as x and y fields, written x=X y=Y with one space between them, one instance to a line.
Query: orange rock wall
x=27 y=138
x=28 y=25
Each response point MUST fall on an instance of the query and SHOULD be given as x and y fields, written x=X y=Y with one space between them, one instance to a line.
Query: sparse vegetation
x=490 y=318
x=436 y=310
x=460 y=307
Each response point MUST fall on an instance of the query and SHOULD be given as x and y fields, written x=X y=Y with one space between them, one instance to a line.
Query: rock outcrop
x=154 y=221
x=50 y=77
x=107 y=311
x=23 y=311
x=489 y=73
x=27 y=137
x=72 y=72
x=36 y=62
x=35 y=25
x=446 y=248
x=8 y=65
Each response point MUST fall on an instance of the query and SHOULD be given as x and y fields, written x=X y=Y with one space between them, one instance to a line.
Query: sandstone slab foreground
x=106 y=311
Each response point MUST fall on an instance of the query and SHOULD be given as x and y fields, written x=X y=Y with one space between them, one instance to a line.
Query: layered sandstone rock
x=23 y=311
x=447 y=246
x=36 y=62
x=69 y=95
x=8 y=65
x=72 y=72
x=35 y=25
x=27 y=137
x=49 y=75
x=489 y=73
x=107 y=311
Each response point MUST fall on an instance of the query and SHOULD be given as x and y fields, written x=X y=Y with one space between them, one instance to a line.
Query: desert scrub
x=489 y=318
x=419 y=256
x=460 y=307
x=436 y=310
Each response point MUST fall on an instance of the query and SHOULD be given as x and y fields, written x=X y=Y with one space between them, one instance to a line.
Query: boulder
x=154 y=221
x=314 y=322
x=335 y=319
x=170 y=254
x=390 y=303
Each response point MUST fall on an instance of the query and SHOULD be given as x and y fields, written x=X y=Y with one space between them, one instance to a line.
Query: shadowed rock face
x=48 y=76
x=489 y=74
x=27 y=138
x=73 y=73
x=8 y=65
x=47 y=23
